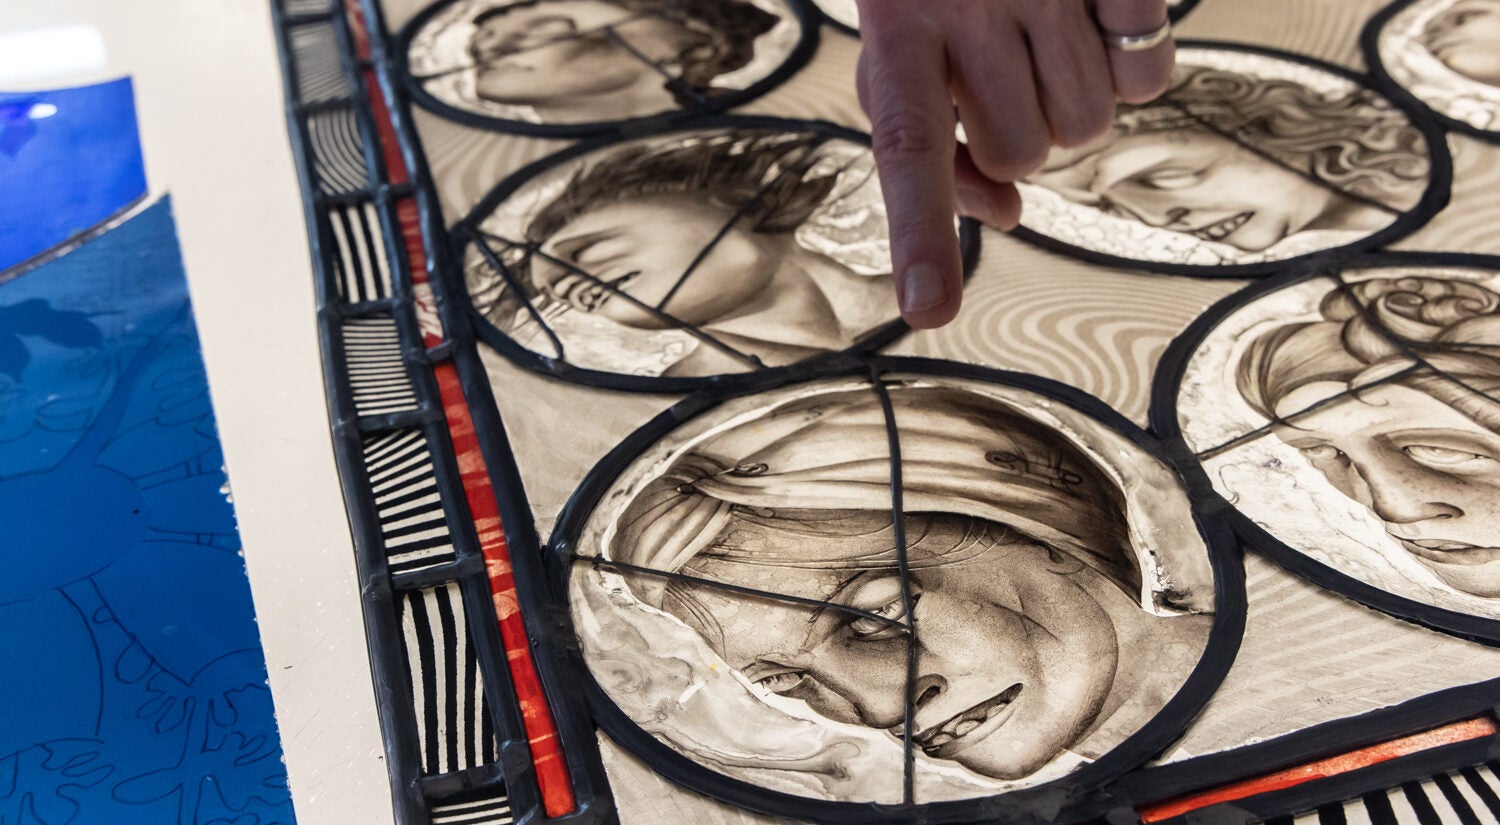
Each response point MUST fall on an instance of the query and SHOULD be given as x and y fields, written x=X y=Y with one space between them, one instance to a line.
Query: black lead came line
x=673 y=321
x=673 y=82
x=1287 y=420
x=602 y=562
x=1275 y=161
x=493 y=259
x=903 y=565
x=1402 y=344
x=739 y=214
x=1419 y=364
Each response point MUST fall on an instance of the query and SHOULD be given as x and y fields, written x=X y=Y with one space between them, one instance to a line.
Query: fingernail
x=923 y=289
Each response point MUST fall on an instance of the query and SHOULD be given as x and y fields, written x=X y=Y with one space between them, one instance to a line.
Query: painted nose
x=925 y=690
x=1175 y=215
x=1400 y=498
x=881 y=702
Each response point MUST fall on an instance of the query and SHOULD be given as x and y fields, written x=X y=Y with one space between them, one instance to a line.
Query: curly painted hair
x=1355 y=142
x=1366 y=334
x=726 y=31
x=778 y=180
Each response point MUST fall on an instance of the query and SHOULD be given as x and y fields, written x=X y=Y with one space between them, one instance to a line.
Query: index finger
x=903 y=85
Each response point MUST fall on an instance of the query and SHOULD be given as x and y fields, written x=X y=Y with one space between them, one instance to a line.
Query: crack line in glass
x=1409 y=349
x=1338 y=398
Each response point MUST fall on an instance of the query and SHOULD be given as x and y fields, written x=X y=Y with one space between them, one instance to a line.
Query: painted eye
x=549 y=29
x=1170 y=179
x=782 y=682
x=1442 y=457
x=893 y=611
x=1323 y=452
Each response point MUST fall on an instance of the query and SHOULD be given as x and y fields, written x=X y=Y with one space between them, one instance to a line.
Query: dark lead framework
x=640 y=468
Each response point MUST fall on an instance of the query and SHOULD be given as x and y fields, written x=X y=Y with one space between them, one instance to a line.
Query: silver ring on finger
x=1138 y=42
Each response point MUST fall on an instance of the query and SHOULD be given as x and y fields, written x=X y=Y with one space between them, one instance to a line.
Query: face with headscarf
x=1016 y=649
x=1415 y=444
x=1024 y=610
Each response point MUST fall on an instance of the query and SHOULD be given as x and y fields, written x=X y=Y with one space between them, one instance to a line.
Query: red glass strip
x=541 y=729
x=1323 y=768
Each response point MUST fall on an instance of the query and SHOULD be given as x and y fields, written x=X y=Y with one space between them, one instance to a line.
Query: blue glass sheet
x=132 y=681
x=69 y=159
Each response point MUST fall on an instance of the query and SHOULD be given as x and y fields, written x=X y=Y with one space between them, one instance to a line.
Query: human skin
x=1022 y=76
x=533 y=56
x=1468 y=39
x=1017 y=652
x=1429 y=472
x=1203 y=184
x=756 y=288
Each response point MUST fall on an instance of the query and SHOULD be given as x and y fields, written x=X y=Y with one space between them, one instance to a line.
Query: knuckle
x=902 y=133
x=1079 y=125
x=1018 y=158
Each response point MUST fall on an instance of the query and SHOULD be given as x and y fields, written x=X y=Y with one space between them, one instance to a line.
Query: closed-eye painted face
x=568 y=51
x=1194 y=181
x=643 y=248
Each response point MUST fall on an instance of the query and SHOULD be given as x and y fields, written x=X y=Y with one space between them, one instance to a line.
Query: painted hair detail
x=729 y=27
x=1355 y=142
x=1370 y=331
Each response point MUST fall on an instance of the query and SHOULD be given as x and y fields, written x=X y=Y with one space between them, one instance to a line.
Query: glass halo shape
x=1395 y=391
x=1258 y=123
x=1399 y=50
x=795 y=202
x=600 y=583
x=841 y=13
x=435 y=54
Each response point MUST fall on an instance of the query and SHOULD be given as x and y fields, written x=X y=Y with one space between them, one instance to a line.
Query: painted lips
x=965 y=728
x=1448 y=552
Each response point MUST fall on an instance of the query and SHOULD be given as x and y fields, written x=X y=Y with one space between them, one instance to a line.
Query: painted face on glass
x=1466 y=37
x=1015 y=653
x=643 y=247
x=1194 y=181
x=560 y=50
x=1429 y=472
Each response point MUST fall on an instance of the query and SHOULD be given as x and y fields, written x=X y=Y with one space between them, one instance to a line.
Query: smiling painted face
x=624 y=245
x=557 y=51
x=1194 y=181
x=1429 y=472
x=1016 y=652
x=1466 y=38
